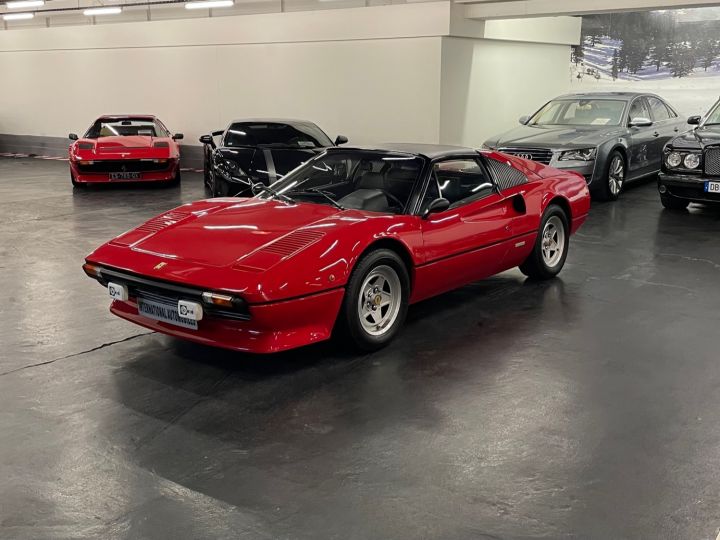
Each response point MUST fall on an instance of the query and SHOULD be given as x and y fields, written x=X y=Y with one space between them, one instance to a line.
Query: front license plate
x=124 y=176
x=712 y=187
x=164 y=312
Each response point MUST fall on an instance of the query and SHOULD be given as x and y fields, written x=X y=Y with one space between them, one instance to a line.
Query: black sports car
x=691 y=164
x=258 y=152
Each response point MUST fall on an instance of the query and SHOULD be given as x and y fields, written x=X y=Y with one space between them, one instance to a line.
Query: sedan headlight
x=692 y=161
x=582 y=154
x=230 y=165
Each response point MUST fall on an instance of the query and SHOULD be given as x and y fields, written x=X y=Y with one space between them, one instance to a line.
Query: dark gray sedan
x=610 y=138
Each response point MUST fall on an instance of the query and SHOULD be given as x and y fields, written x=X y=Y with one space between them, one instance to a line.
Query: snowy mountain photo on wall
x=675 y=53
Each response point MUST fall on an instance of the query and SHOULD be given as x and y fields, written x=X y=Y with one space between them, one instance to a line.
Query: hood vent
x=156 y=224
x=160 y=222
x=290 y=244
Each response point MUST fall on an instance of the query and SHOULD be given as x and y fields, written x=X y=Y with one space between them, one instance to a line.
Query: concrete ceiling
x=508 y=9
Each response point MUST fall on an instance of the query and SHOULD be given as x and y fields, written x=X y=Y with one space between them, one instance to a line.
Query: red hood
x=113 y=144
x=133 y=147
x=219 y=232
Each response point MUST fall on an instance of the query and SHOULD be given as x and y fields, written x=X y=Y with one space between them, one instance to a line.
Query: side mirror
x=695 y=120
x=340 y=139
x=178 y=136
x=523 y=120
x=207 y=139
x=641 y=122
x=73 y=137
x=438 y=205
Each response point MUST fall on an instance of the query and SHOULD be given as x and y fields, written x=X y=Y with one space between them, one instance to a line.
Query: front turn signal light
x=91 y=270
x=220 y=300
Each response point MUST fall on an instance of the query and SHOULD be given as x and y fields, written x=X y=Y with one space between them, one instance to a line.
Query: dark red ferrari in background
x=125 y=148
x=343 y=243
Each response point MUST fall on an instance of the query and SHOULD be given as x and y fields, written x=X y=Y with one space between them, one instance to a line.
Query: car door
x=642 y=140
x=469 y=240
x=665 y=124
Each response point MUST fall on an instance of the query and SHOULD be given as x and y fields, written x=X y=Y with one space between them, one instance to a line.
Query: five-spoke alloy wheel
x=376 y=299
x=551 y=246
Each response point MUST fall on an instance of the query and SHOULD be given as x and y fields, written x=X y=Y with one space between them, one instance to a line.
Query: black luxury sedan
x=610 y=138
x=691 y=164
x=258 y=152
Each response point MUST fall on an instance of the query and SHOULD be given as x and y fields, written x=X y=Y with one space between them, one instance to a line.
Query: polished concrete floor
x=586 y=407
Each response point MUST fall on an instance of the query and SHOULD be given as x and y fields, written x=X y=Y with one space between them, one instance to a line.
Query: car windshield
x=363 y=180
x=125 y=128
x=713 y=117
x=580 y=112
x=275 y=135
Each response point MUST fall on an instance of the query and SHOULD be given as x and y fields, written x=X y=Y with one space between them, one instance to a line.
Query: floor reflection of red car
x=125 y=148
x=343 y=244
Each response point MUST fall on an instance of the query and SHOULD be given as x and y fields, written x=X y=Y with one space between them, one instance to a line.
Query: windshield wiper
x=323 y=194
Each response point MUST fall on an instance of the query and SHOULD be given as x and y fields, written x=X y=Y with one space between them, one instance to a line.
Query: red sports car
x=125 y=148
x=344 y=242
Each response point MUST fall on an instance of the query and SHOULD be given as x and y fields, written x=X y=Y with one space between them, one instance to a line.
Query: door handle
x=656 y=134
x=676 y=129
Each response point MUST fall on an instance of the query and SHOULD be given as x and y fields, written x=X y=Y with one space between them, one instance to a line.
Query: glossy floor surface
x=586 y=407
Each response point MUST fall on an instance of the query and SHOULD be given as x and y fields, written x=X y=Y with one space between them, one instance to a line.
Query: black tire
x=605 y=191
x=75 y=183
x=673 y=203
x=535 y=266
x=175 y=181
x=375 y=262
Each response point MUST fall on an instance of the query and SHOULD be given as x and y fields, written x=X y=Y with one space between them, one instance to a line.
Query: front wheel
x=551 y=246
x=613 y=180
x=376 y=300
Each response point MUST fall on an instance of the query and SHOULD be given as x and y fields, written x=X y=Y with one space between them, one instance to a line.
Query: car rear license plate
x=124 y=176
x=712 y=187
x=165 y=312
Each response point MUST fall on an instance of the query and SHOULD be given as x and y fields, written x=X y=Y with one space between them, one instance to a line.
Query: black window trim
x=428 y=173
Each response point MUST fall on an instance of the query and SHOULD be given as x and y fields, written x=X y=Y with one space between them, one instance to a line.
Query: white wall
x=375 y=74
x=488 y=84
x=196 y=75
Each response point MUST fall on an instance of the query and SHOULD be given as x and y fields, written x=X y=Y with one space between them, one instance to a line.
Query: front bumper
x=272 y=327
x=104 y=177
x=586 y=168
x=687 y=186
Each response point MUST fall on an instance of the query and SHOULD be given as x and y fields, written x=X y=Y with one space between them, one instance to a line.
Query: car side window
x=460 y=181
x=659 y=110
x=638 y=109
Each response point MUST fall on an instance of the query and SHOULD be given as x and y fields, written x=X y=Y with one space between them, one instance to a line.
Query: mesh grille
x=292 y=243
x=505 y=175
x=541 y=155
x=712 y=161
x=160 y=222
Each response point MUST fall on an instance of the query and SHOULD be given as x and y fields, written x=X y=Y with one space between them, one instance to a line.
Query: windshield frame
x=530 y=122
x=281 y=187
x=161 y=131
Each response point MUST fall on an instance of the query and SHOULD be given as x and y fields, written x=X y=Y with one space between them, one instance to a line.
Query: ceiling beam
x=510 y=9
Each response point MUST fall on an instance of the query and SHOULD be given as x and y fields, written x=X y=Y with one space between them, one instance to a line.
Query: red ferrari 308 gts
x=344 y=242
x=125 y=148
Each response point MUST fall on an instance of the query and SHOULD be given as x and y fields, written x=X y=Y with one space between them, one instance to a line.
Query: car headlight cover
x=674 y=159
x=692 y=161
x=582 y=154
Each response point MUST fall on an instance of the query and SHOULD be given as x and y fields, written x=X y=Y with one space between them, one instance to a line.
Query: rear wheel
x=176 y=180
x=614 y=179
x=673 y=203
x=551 y=246
x=376 y=300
